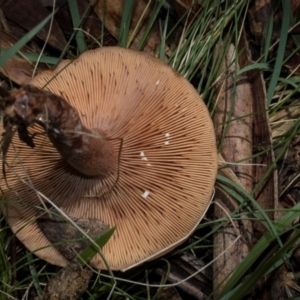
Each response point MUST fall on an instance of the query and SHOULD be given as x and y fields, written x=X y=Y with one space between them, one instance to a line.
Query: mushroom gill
x=161 y=164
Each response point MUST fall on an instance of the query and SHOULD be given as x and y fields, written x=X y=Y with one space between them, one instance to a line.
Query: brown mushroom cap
x=167 y=165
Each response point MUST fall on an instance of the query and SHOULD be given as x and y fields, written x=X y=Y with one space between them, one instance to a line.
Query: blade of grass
x=163 y=33
x=137 y=27
x=164 y=281
x=152 y=19
x=125 y=22
x=273 y=259
x=260 y=247
x=33 y=273
x=259 y=66
x=241 y=195
x=286 y=5
x=63 y=53
x=76 y=20
x=5 y=267
x=268 y=38
x=86 y=255
x=33 y=57
x=24 y=40
x=285 y=145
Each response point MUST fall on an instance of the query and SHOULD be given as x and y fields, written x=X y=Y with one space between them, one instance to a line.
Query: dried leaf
x=110 y=13
x=27 y=14
x=68 y=284
x=91 y=24
x=260 y=13
x=293 y=64
x=182 y=7
x=284 y=119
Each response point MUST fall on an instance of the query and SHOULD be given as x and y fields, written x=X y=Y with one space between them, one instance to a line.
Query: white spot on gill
x=157 y=82
x=143 y=156
x=168 y=137
x=146 y=194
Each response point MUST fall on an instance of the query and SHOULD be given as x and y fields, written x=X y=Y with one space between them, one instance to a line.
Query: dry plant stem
x=86 y=150
x=234 y=131
x=266 y=194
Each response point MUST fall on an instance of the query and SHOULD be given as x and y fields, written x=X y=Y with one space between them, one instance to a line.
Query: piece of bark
x=65 y=237
x=265 y=189
x=266 y=192
x=169 y=293
x=199 y=286
x=71 y=281
x=275 y=286
x=233 y=117
x=110 y=13
x=68 y=284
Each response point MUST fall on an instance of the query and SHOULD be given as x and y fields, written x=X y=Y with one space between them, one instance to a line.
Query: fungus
x=119 y=137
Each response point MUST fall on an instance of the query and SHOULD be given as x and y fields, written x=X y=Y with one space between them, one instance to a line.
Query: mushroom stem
x=86 y=150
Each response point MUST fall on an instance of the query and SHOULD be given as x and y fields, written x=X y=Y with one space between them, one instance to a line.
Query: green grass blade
x=162 y=52
x=33 y=272
x=268 y=38
x=260 y=247
x=281 y=50
x=76 y=20
x=152 y=19
x=259 y=66
x=274 y=258
x=33 y=57
x=246 y=199
x=24 y=40
x=86 y=255
x=125 y=22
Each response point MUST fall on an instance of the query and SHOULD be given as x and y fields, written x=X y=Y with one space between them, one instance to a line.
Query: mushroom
x=119 y=137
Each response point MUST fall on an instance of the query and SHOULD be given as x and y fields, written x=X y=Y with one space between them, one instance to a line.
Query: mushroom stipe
x=154 y=189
